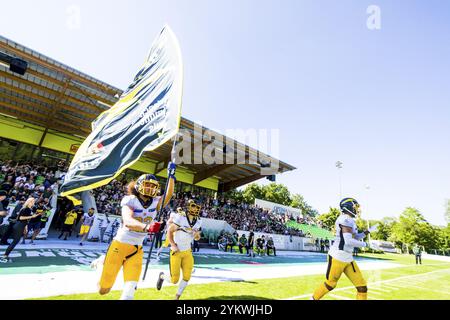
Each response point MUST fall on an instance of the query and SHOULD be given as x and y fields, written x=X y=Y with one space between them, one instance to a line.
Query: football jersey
x=88 y=220
x=144 y=215
x=340 y=250
x=184 y=236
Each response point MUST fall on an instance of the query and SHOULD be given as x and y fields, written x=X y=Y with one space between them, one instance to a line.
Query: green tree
x=277 y=193
x=384 y=229
x=236 y=195
x=412 y=228
x=447 y=211
x=253 y=191
x=329 y=219
x=297 y=201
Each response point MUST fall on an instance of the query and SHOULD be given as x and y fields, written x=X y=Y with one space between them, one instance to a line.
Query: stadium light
x=339 y=165
x=15 y=65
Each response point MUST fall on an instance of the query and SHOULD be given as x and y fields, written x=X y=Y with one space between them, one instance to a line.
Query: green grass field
x=428 y=281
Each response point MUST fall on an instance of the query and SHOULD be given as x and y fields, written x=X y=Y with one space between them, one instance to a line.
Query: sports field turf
x=431 y=280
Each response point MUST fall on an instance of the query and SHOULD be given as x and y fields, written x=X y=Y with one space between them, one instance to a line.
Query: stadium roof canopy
x=58 y=97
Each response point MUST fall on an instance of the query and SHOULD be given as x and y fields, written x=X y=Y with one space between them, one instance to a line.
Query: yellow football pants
x=84 y=229
x=121 y=254
x=334 y=272
x=181 y=260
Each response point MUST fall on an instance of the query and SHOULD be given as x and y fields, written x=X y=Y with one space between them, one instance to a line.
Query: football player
x=86 y=223
x=184 y=227
x=139 y=209
x=340 y=258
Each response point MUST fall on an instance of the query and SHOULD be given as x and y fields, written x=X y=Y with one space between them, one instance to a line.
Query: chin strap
x=349 y=213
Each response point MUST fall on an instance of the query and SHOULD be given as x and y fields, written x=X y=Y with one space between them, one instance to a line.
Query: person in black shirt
x=12 y=220
x=35 y=224
x=243 y=243
x=271 y=245
x=24 y=216
x=250 y=244
x=3 y=205
x=260 y=245
x=159 y=235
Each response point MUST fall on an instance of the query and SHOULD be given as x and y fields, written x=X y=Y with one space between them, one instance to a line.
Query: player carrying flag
x=139 y=209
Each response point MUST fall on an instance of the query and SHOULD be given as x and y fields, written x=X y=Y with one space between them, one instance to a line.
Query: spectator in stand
x=243 y=243
x=24 y=216
x=271 y=246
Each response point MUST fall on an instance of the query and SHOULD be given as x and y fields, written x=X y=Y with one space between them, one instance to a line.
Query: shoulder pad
x=346 y=221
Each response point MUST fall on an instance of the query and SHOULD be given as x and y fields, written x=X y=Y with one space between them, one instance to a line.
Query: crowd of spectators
x=33 y=179
x=29 y=180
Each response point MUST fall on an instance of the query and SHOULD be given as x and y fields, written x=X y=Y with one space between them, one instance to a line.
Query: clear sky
x=377 y=100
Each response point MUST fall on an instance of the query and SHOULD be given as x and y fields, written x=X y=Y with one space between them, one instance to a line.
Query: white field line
x=377 y=288
x=375 y=292
x=372 y=283
x=409 y=285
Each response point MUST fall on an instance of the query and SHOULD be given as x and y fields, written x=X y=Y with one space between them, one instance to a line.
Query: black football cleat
x=160 y=281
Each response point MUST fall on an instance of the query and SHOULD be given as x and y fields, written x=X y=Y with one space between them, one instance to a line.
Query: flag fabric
x=146 y=116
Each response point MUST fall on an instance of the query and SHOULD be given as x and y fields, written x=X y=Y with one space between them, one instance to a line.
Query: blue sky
x=377 y=100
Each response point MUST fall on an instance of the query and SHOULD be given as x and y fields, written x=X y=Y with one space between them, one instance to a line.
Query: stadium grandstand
x=46 y=111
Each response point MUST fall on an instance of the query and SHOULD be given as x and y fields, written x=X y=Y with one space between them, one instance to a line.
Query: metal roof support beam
x=203 y=175
x=57 y=69
x=237 y=183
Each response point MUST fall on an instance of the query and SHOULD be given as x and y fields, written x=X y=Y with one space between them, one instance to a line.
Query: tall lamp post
x=367 y=187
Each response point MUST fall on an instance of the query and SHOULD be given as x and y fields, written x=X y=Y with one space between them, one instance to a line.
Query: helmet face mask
x=147 y=186
x=193 y=208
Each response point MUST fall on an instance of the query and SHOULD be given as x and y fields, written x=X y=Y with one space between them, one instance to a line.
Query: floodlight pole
x=339 y=166
x=367 y=209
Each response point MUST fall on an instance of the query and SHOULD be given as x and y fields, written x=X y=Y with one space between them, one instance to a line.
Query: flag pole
x=158 y=215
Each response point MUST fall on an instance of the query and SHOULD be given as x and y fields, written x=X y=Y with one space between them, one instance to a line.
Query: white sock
x=129 y=288
x=181 y=287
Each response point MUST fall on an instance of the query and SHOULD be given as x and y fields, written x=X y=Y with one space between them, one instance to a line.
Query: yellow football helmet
x=193 y=208
x=147 y=185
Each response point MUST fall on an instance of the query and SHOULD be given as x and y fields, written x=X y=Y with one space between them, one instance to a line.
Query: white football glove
x=373 y=228
x=98 y=262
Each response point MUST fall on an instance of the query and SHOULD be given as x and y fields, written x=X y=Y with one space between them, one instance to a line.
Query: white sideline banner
x=278 y=208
